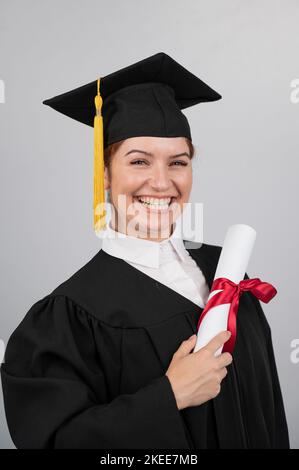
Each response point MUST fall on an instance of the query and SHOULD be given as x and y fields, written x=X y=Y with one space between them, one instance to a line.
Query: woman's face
x=150 y=178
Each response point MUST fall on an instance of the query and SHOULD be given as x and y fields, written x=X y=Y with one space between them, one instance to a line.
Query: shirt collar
x=140 y=250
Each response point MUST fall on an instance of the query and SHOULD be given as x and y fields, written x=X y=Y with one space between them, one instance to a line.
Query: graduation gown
x=86 y=367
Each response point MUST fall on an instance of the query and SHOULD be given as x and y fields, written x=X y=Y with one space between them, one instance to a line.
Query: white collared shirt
x=167 y=261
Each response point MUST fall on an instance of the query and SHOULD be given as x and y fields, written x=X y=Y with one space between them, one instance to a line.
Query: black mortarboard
x=143 y=99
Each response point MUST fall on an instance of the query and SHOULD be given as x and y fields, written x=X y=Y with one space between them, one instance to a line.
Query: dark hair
x=111 y=149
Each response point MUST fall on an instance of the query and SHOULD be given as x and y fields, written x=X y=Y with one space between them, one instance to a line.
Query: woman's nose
x=160 y=179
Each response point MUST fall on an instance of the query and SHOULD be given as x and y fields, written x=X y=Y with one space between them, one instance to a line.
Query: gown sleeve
x=281 y=434
x=53 y=387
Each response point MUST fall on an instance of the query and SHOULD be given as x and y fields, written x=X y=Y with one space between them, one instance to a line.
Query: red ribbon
x=230 y=294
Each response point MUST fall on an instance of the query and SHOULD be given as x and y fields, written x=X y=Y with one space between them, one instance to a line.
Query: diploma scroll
x=232 y=265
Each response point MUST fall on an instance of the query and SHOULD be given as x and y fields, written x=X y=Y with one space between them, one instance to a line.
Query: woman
x=105 y=360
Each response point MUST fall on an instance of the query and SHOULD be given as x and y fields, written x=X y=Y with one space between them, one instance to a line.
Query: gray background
x=247 y=143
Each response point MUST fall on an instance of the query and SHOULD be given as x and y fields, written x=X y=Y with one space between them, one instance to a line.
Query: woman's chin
x=153 y=230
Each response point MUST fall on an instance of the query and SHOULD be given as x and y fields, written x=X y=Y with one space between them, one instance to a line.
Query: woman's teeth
x=155 y=203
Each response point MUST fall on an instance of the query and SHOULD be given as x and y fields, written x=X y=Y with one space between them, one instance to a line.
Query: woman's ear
x=106 y=178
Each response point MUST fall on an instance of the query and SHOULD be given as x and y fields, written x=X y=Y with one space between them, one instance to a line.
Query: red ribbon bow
x=230 y=294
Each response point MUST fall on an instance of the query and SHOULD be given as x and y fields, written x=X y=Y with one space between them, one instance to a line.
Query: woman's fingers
x=218 y=341
x=225 y=359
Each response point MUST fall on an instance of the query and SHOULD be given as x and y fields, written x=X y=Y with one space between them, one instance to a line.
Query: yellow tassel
x=99 y=211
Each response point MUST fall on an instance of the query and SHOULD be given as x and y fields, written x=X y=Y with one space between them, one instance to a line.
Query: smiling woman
x=104 y=360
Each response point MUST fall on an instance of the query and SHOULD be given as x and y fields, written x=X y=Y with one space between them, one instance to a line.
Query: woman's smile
x=154 y=204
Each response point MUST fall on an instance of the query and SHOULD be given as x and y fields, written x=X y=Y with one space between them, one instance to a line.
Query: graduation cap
x=142 y=99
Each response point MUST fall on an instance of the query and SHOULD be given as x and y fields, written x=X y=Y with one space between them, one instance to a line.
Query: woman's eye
x=138 y=161
x=180 y=163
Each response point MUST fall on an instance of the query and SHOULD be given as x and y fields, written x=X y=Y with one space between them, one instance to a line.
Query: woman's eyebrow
x=149 y=154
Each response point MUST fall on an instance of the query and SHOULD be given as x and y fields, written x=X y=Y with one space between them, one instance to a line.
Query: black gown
x=86 y=367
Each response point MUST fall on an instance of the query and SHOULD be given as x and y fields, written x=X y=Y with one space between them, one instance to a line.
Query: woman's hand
x=195 y=378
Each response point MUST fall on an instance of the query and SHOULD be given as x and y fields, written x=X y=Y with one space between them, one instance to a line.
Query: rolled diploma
x=232 y=264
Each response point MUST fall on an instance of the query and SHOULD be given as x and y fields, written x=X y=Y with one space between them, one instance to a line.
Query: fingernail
x=191 y=337
x=229 y=334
